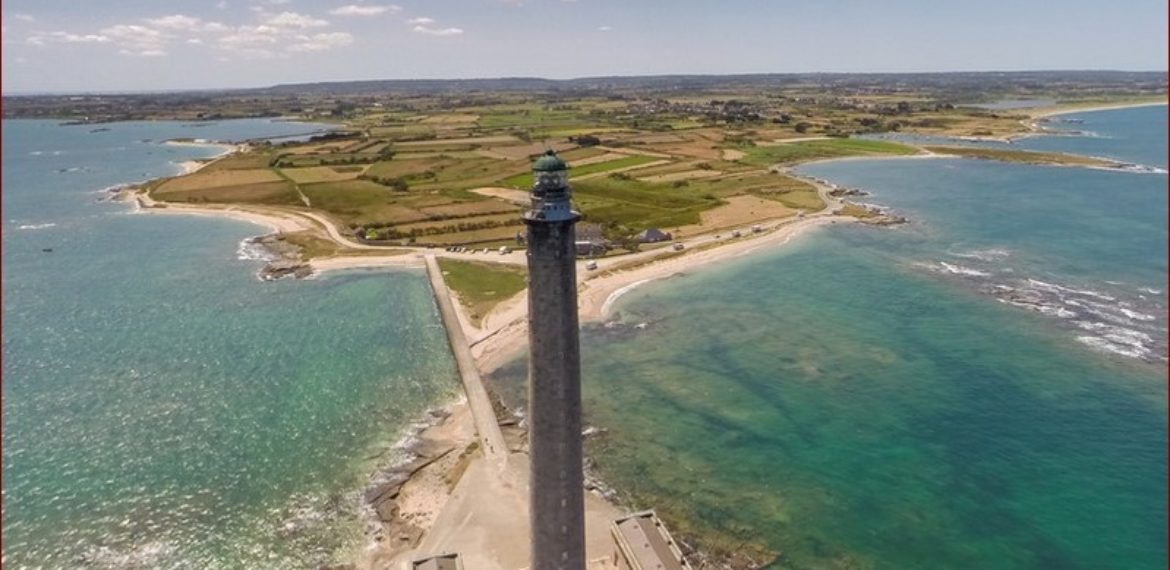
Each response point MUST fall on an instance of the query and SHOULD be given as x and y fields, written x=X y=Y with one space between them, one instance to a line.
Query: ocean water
x=875 y=398
x=162 y=407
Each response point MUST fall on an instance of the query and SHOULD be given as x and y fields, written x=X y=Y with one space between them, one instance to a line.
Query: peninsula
x=664 y=184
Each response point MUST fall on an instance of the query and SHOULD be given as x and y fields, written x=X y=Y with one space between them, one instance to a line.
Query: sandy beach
x=1070 y=110
x=191 y=166
x=276 y=221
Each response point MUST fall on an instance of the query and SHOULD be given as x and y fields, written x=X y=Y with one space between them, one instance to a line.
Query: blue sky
x=104 y=45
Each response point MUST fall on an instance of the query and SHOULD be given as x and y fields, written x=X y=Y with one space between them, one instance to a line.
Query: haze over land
x=139 y=45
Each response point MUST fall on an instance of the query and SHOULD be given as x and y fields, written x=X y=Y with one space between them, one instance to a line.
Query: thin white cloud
x=604 y=29
x=438 y=31
x=365 y=10
x=175 y=22
x=183 y=23
x=144 y=53
x=321 y=42
x=221 y=4
x=249 y=37
x=137 y=40
x=295 y=20
x=24 y=17
x=423 y=25
x=274 y=35
x=42 y=38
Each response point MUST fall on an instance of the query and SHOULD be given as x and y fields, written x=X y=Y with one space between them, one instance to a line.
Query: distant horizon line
x=34 y=93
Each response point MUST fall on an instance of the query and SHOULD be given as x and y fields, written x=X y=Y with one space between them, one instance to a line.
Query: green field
x=792 y=153
x=525 y=180
x=639 y=205
x=1024 y=156
x=407 y=170
x=482 y=286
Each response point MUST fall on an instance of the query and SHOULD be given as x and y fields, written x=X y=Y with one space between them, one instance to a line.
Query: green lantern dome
x=550 y=162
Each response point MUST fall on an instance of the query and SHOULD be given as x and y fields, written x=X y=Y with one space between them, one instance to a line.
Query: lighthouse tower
x=554 y=373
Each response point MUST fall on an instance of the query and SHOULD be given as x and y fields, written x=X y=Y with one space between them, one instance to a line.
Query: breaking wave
x=250 y=249
x=960 y=270
x=1118 y=321
x=987 y=255
x=954 y=269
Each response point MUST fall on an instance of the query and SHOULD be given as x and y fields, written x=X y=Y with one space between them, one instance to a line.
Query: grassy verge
x=792 y=153
x=855 y=211
x=1021 y=156
x=314 y=246
x=482 y=286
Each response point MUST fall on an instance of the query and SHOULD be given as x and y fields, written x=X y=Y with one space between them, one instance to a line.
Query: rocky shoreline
x=282 y=259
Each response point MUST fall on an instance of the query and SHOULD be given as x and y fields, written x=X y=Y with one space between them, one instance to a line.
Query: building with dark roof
x=654 y=235
x=643 y=543
x=440 y=562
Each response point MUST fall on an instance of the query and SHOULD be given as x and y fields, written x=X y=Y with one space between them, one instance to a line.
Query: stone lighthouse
x=554 y=373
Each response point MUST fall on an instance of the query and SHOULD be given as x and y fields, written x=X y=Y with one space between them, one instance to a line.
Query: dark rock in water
x=278 y=269
x=885 y=220
x=386 y=490
x=838 y=192
x=47 y=250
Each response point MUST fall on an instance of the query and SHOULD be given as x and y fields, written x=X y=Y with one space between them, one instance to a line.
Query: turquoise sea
x=983 y=388
x=162 y=407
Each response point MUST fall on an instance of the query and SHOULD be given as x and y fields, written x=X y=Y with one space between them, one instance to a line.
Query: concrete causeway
x=491 y=439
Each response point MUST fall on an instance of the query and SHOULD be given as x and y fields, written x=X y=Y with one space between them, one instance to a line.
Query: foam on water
x=1131 y=327
x=989 y=255
x=960 y=270
x=250 y=249
x=616 y=295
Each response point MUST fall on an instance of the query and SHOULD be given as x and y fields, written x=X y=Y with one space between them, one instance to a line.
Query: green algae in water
x=852 y=408
x=895 y=425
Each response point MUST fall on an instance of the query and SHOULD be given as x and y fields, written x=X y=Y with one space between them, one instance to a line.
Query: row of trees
x=289 y=161
x=395 y=183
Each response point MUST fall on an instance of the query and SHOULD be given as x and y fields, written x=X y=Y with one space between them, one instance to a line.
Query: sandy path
x=627 y=151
